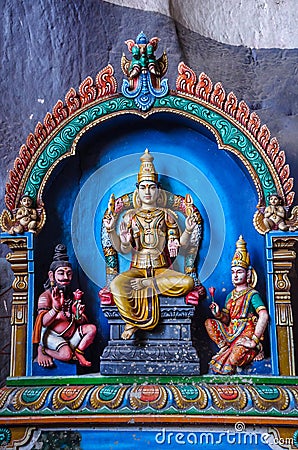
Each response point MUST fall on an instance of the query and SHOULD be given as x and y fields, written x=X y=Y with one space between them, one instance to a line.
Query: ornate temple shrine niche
x=153 y=237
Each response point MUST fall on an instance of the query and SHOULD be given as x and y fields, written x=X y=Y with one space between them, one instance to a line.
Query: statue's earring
x=136 y=199
x=162 y=198
x=51 y=278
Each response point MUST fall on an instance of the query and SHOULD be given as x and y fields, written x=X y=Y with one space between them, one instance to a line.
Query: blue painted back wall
x=188 y=160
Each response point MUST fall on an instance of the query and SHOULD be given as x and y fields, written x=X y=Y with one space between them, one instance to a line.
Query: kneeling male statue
x=61 y=328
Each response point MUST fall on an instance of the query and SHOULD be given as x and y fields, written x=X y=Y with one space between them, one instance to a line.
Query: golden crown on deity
x=147 y=170
x=241 y=257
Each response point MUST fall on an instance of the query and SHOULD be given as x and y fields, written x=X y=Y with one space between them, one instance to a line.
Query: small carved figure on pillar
x=152 y=235
x=25 y=218
x=61 y=328
x=275 y=214
x=239 y=327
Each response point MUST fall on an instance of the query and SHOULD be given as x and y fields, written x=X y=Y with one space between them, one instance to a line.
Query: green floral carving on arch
x=229 y=135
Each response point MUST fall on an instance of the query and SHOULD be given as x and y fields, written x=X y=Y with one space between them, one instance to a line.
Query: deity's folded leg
x=216 y=331
x=136 y=307
x=141 y=307
x=241 y=355
x=172 y=283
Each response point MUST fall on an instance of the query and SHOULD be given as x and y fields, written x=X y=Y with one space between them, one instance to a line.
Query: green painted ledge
x=95 y=379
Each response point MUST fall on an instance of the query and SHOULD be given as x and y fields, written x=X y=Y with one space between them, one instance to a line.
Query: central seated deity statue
x=151 y=233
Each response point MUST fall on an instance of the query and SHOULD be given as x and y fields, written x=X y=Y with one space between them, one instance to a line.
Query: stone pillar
x=19 y=316
x=284 y=256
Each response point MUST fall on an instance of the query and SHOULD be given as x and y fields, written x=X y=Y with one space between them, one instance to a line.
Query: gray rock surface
x=6 y=278
x=48 y=47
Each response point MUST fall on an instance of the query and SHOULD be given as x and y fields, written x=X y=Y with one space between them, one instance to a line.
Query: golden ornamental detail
x=228 y=396
x=69 y=397
x=107 y=396
x=185 y=400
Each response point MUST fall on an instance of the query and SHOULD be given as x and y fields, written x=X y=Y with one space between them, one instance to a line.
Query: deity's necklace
x=237 y=294
x=148 y=214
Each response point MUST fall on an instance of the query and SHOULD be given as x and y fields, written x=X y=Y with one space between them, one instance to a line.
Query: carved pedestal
x=166 y=350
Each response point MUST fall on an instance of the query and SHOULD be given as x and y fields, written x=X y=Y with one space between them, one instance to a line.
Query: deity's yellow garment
x=150 y=231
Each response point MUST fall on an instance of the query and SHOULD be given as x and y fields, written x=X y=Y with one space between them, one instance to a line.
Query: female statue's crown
x=241 y=256
x=147 y=170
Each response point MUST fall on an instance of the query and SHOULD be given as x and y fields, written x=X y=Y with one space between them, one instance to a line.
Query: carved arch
x=235 y=129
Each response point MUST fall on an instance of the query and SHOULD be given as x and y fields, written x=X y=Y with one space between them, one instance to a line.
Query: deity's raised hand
x=125 y=235
x=78 y=308
x=58 y=298
x=190 y=222
x=109 y=220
